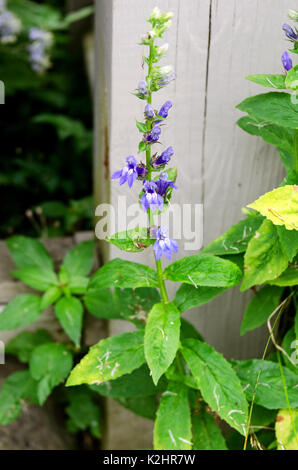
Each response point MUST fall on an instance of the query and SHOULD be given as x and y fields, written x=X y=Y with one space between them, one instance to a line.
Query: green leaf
x=78 y=15
x=280 y=206
x=236 y=239
x=289 y=241
x=16 y=388
x=21 y=311
x=29 y=252
x=133 y=241
x=172 y=430
x=69 y=312
x=261 y=417
x=291 y=80
x=127 y=304
x=142 y=127
x=217 y=382
x=143 y=406
x=121 y=273
x=161 y=340
x=290 y=345
x=78 y=284
x=264 y=258
x=260 y=308
x=188 y=296
x=274 y=107
x=137 y=384
x=286 y=430
x=270 y=391
x=109 y=359
x=83 y=412
x=79 y=260
x=37 y=278
x=49 y=364
x=204 y=270
x=142 y=146
x=288 y=278
x=268 y=80
x=50 y=296
x=24 y=343
x=273 y=134
x=206 y=433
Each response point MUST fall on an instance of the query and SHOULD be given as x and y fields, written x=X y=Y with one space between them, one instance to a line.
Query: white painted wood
x=214 y=44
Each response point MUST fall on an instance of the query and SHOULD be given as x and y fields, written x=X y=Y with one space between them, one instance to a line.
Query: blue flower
x=154 y=134
x=164 y=110
x=129 y=173
x=163 y=184
x=142 y=87
x=164 y=158
x=164 y=244
x=150 y=197
x=142 y=171
x=149 y=111
x=10 y=26
x=287 y=61
x=290 y=33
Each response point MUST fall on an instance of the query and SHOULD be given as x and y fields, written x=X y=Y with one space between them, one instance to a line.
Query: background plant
x=46 y=123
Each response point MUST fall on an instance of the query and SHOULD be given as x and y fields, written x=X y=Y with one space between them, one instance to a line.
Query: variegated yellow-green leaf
x=286 y=429
x=264 y=259
x=280 y=206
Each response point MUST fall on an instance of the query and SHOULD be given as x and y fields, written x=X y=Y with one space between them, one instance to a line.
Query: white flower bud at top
x=293 y=15
x=156 y=14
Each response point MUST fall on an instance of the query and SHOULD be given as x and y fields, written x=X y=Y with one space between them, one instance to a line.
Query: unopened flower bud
x=290 y=33
x=156 y=14
x=161 y=50
x=293 y=15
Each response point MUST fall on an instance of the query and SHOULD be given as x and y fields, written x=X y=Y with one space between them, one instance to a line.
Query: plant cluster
x=164 y=370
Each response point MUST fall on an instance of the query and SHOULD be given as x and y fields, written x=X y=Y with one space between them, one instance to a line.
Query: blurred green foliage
x=46 y=124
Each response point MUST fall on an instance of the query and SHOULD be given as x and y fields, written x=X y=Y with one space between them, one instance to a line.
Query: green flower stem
x=296 y=150
x=162 y=287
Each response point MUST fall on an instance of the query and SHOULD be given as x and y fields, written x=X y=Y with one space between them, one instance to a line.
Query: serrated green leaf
x=264 y=258
x=286 y=430
x=127 y=304
x=206 y=433
x=287 y=159
x=281 y=137
x=16 y=388
x=83 y=412
x=188 y=296
x=133 y=241
x=142 y=146
x=204 y=270
x=270 y=391
x=21 y=311
x=161 y=340
x=172 y=430
x=24 y=343
x=260 y=308
x=268 y=80
x=29 y=252
x=69 y=312
x=37 y=278
x=109 y=359
x=122 y=273
x=50 y=296
x=217 y=382
x=49 y=364
x=236 y=239
x=274 y=107
x=289 y=241
x=79 y=260
x=280 y=206
x=137 y=384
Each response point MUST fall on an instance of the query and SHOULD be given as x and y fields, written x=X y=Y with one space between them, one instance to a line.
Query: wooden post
x=214 y=44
